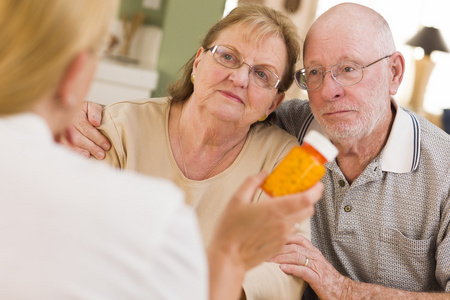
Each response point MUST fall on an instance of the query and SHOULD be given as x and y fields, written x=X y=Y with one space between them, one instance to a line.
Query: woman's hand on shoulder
x=83 y=136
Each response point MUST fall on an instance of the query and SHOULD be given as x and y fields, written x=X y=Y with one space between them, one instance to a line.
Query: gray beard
x=372 y=115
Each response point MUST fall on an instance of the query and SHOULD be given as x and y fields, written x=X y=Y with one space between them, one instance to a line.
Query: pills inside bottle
x=302 y=167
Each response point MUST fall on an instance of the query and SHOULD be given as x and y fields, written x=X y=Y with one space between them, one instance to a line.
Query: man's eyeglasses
x=230 y=58
x=345 y=73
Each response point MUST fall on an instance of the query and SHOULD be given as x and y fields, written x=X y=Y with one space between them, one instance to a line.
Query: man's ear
x=75 y=81
x=276 y=102
x=397 y=69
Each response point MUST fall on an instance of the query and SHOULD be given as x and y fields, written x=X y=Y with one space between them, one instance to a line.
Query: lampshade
x=429 y=39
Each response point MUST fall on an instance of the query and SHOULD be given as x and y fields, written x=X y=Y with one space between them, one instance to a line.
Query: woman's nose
x=240 y=76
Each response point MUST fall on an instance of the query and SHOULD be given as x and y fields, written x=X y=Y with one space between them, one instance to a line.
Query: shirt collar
x=401 y=152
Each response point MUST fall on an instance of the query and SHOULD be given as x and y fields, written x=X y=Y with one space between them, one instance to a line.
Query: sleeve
x=268 y=282
x=291 y=115
x=181 y=268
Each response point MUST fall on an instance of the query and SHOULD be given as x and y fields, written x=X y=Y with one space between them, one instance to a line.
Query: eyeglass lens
x=345 y=74
x=260 y=75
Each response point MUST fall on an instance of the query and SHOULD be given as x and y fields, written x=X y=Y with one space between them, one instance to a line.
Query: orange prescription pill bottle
x=302 y=167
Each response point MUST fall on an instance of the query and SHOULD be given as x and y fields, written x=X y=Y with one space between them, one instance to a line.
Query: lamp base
x=424 y=67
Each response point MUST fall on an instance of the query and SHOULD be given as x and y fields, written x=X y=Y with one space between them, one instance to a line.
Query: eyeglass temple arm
x=377 y=61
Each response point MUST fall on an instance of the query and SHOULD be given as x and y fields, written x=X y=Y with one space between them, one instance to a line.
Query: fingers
x=83 y=134
x=284 y=255
x=85 y=122
x=299 y=206
x=291 y=253
x=312 y=266
x=94 y=113
x=296 y=250
x=298 y=264
x=295 y=259
x=298 y=271
x=81 y=144
x=314 y=193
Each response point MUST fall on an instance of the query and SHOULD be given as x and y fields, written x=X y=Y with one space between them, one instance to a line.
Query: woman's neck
x=202 y=147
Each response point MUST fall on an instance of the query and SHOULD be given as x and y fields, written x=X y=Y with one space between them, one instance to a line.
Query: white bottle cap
x=321 y=144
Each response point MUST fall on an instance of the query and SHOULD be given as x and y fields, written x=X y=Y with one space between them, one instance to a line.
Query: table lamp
x=429 y=39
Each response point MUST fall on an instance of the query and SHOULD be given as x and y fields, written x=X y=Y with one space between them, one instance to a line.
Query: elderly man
x=382 y=228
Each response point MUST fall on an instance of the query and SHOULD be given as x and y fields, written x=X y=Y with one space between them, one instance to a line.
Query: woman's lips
x=232 y=96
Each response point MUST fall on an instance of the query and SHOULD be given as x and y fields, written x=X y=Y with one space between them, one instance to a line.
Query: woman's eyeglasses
x=231 y=59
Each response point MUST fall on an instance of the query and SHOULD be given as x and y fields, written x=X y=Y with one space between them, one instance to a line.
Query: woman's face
x=229 y=94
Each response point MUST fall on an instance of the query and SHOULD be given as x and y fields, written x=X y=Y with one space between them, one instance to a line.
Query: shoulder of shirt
x=433 y=131
x=141 y=107
x=435 y=140
x=137 y=104
x=293 y=104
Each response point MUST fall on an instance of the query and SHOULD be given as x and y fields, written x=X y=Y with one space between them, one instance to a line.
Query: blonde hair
x=39 y=39
x=259 y=22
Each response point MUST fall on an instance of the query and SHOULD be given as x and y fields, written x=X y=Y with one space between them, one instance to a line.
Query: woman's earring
x=192 y=78
x=264 y=117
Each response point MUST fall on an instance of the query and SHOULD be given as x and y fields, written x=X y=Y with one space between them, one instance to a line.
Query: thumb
x=94 y=113
x=248 y=189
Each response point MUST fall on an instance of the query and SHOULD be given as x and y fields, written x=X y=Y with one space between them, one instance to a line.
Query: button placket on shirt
x=345 y=221
x=344 y=186
x=374 y=175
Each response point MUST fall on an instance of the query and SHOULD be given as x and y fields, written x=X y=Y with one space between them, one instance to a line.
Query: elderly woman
x=137 y=239
x=210 y=134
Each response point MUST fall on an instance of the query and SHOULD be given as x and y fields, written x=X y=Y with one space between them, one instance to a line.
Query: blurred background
x=154 y=38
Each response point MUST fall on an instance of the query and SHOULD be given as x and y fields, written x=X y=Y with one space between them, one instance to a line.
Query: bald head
x=354 y=25
x=345 y=37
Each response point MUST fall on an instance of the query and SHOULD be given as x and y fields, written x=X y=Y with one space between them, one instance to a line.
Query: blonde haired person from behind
x=76 y=229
